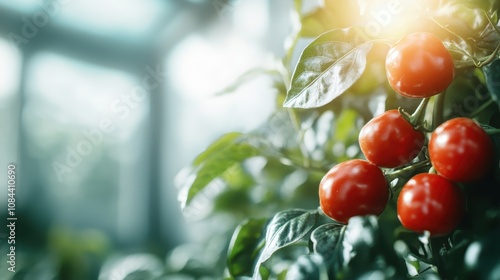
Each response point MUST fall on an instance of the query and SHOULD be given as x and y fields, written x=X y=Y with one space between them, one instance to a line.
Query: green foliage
x=284 y=229
x=220 y=157
x=244 y=247
x=328 y=67
x=492 y=75
x=271 y=174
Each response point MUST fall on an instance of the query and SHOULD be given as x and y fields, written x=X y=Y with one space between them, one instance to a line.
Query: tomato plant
x=460 y=150
x=429 y=202
x=419 y=66
x=353 y=188
x=432 y=157
x=389 y=140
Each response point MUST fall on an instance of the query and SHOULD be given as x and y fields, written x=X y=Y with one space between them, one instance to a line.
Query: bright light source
x=383 y=18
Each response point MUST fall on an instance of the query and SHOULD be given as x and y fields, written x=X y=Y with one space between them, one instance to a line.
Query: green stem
x=491 y=22
x=417 y=117
x=438 y=112
x=406 y=170
x=482 y=107
x=493 y=131
x=490 y=58
x=479 y=62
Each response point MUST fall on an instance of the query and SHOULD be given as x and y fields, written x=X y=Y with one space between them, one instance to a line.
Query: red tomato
x=388 y=140
x=430 y=202
x=460 y=150
x=419 y=66
x=353 y=188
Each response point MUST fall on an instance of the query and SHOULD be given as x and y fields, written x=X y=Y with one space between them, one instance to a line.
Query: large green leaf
x=326 y=239
x=243 y=247
x=217 y=146
x=492 y=75
x=328 y=67
x=286 y=227
x=220 y=157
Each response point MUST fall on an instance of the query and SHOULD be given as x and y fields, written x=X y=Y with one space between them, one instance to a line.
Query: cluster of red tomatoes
x=459 y=150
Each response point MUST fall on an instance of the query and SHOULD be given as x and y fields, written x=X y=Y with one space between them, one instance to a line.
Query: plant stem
x=490 y=58
x=493 y=131
x=406 y=170
x=438 y=111
x=478 y=62
x=482 y=107
x=417 y=117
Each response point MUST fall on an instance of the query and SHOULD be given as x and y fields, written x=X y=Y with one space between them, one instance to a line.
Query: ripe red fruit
x=388 y=140
x=419 y=66
x=460 y=150
x=429 y=202
x=353 y=188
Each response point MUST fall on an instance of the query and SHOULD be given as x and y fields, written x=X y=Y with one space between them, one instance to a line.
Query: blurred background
x=103 y=103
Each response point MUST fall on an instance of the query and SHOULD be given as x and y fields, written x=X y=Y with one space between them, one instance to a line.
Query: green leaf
x=243 y=246
x=308 y=267
x=326 y=239
x=217 y=146
x=459 y=49
x=492 y=75
x=328 y=67
x=286 y=227
x=220 y=157
x=461 y=20
x=264 y=273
